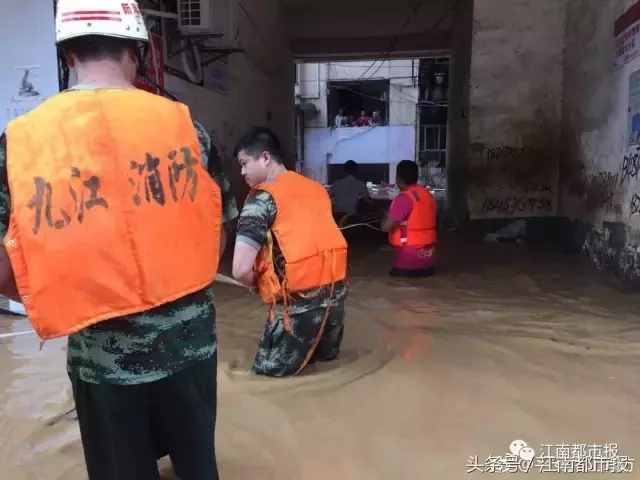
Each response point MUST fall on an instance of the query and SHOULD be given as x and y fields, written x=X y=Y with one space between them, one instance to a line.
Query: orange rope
x=325 y=317
x=285 y=298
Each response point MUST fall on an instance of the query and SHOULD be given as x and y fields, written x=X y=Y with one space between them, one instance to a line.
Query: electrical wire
x=364 y=95
x=407 y=100
x=407 y=77
x=368 y=68
x=414 y=9
x=351 y=64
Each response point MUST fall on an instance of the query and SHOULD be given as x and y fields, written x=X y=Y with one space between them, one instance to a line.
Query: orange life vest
x=314 y=249
x=420 y=228
x=112 y=212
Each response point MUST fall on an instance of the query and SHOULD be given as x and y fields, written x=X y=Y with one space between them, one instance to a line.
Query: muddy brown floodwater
x=504 y=343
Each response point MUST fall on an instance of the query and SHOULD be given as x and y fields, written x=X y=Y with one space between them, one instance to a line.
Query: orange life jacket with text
x=420 y=228
x=314 y=249
x=112 y=212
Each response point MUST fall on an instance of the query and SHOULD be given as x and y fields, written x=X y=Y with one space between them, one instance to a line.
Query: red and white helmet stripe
x=112 y=18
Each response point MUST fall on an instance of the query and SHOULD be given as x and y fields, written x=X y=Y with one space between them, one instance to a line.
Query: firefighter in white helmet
x=112 y=235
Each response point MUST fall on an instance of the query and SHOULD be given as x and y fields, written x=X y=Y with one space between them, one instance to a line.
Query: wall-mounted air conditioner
x=208 y=17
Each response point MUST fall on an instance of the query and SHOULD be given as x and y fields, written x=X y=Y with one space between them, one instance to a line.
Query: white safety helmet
x=109 y=18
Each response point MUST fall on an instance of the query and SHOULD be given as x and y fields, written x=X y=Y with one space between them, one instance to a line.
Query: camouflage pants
x=281 y=353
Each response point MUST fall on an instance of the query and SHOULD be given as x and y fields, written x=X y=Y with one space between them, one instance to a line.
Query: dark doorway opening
x=353 y=97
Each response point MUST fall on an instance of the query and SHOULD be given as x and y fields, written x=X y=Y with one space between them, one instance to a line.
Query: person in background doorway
x=347 y=192
x=364 y=120
x=635 y=129
x=376 y=119
x=340 y=119
x=289 y=247
x=411 y=223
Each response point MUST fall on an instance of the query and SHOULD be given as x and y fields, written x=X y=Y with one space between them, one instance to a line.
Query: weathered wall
x=403 y=93
x=515 y=107
x=28 y=32
x=329 y=29
x=459 y=112
x=600 y=172
x=261 y=83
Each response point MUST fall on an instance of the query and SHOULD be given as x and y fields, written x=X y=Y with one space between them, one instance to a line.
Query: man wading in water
x=114 y=231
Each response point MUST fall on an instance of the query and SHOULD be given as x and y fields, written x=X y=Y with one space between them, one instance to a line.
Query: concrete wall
x=312 y=85
x=459 y=112
x=260 y=82
x=599 y=173
x=515 y=110
x=27 y=27
x=355 y=19
x=403 y=95
x=330 y=29
x=324 y=146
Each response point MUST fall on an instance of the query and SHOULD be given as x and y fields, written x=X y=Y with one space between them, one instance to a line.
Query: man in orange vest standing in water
x=113 y=228
x=411 y=223
x=289 y=247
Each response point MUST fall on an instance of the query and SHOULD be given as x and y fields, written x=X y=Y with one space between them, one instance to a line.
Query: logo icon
x=522 y=450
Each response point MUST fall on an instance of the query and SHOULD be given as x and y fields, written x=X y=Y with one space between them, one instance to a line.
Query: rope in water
x=229 y=281
x=16 y=334
x=368 y=224
x=219 y=278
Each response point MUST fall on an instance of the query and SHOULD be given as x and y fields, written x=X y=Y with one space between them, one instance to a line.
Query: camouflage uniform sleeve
x=213 y=164
x=256 y=218
x=5 y=201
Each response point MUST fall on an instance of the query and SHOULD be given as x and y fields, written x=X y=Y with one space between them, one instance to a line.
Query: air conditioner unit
x=207 y=17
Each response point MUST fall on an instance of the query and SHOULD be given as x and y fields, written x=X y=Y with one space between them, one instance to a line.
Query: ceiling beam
x=369 y=47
